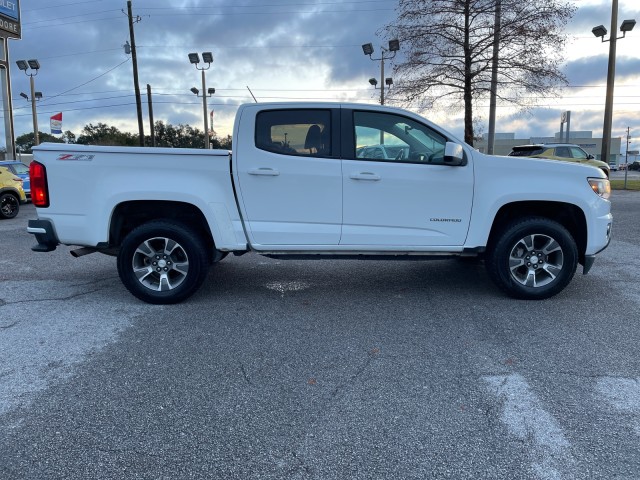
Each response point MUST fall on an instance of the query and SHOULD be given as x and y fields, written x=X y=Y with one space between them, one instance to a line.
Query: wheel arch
x=10 y=190
x=128 y=215
x=568 y=215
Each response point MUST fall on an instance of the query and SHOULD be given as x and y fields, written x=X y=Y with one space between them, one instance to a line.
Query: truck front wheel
x=163 y=262
x=532 y=259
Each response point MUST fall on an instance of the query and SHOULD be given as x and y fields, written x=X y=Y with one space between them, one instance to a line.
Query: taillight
x=39 y=190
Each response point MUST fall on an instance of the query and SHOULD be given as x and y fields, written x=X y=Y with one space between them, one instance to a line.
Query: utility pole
x=151 y=126
x=36 y=136
x=626 y=157
x=134 y=59
x=494 y=79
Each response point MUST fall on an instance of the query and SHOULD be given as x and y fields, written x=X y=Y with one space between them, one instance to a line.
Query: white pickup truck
x=298 y=184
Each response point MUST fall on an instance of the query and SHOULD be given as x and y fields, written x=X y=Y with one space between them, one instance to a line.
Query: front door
x=410 y=198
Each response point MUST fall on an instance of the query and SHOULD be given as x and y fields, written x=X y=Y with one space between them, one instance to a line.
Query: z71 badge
x=76 y=157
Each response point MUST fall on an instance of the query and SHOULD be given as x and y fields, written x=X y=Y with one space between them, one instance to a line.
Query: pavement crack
x=52 y=299
x=357 y=374
x=244 y=374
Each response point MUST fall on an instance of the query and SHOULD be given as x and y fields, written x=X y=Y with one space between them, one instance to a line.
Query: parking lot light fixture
x=367 y=48
x=31 y=68
x=393 y=47
x=207 y=57
x=627 y=26
x=599 y=31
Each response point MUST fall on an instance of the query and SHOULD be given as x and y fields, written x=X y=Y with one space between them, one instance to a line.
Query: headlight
x=601 y=186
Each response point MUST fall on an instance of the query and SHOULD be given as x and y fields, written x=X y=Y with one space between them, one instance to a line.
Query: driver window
x=578 y=153
x=394 y=138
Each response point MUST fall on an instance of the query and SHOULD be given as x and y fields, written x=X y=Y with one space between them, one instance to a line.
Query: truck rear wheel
x=163 y=262
x=532 y=259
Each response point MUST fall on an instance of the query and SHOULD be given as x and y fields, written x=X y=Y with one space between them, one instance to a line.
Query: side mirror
x=590 y=157
x=454 y=155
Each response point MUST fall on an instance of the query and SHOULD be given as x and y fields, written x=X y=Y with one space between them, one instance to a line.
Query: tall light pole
x=601 y=31
x=33 y=65
x=207 y=57
x=367 y=49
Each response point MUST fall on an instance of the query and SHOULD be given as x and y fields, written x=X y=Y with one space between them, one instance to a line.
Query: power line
x=87 y=82
x=58 y=5
x=294 y=4
x=66 y=17
x=35 y=27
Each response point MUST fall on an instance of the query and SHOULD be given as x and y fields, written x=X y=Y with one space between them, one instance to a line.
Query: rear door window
x=295 y=132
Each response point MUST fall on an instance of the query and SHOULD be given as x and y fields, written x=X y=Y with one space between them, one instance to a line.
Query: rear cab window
x=304 y=132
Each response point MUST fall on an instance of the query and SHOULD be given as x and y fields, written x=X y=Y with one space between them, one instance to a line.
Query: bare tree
x=450 y=51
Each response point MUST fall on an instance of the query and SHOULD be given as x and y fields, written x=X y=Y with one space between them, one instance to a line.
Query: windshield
x=526 y=152
x=21 y=168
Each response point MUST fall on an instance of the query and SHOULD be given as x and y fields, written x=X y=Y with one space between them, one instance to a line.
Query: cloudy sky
x=281 y=50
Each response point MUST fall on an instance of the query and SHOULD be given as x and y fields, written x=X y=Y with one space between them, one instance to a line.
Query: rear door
x=289 y=175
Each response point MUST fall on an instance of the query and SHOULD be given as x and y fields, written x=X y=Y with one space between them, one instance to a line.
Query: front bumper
x=45 y=235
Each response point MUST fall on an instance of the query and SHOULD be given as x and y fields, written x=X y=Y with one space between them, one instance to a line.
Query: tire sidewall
x=498 y=258
x=15 y=211
x=193 y=246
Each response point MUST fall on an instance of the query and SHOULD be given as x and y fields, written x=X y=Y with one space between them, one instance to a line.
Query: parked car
x=559 y=151
x=21 y=170
x=613 y=166
x=635 y=165
x=11 y=193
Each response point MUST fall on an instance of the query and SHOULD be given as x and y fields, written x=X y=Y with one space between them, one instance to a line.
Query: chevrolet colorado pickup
x=294 y=187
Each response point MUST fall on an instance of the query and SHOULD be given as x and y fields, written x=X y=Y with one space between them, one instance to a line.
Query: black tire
x=532 y=259
x=9 y=205
x=163 y=262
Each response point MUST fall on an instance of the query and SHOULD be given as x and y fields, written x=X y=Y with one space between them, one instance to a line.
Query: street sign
x=10 y=19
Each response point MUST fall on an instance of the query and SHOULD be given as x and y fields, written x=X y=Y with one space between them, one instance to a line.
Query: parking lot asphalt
x=319 y=370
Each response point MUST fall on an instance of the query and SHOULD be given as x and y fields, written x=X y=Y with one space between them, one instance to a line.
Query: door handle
x=365 y=176
x=269 y=172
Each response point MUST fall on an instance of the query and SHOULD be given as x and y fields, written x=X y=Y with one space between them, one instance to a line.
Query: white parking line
x=526 y=419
